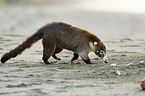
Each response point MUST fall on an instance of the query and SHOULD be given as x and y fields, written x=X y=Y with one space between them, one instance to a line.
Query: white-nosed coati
x=58 y=36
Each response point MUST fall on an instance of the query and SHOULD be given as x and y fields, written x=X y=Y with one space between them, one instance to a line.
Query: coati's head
x=99 y=49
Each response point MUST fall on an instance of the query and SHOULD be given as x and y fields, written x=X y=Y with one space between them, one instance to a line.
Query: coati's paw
x=87 y=61
x=58 y=58
x=55 y=57
x=46 y=62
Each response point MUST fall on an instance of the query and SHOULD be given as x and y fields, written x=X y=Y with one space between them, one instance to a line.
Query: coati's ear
x=95 y=43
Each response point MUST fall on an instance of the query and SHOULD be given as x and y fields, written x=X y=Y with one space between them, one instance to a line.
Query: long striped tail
x=26 y=44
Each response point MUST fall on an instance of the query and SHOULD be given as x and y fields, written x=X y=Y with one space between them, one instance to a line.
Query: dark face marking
x=100 y=50
x=100 y=53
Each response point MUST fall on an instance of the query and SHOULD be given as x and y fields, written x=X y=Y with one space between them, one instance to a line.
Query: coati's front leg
x=85 y=58
x=57 y=50
x=48 y=50
x=76 y=55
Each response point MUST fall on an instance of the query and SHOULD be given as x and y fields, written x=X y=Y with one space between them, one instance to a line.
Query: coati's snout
x=100 y=50
x=102 y=54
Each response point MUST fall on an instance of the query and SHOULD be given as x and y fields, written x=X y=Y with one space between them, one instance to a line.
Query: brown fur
x=58 y=36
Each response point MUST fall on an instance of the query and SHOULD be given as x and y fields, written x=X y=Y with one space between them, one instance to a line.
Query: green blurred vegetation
x=3 y=2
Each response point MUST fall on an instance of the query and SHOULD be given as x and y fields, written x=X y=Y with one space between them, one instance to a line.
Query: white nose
x=105 y=59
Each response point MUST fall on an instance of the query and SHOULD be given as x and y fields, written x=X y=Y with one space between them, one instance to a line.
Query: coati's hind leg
x=76 y=55
x=85 y=58
x=57 y=50
x=48 y=50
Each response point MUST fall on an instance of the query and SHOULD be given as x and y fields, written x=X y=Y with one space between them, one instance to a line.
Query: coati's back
x=70 y=37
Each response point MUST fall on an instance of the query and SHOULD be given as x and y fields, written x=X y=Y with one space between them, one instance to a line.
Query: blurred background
x=108 y=19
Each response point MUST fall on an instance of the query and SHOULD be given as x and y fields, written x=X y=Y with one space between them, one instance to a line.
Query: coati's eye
x=95 y=43
x=101 y=52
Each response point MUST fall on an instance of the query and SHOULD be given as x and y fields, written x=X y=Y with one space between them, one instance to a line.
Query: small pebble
x=141 y=61
x=118 y=73
x=129 y=64
x=113 y=65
